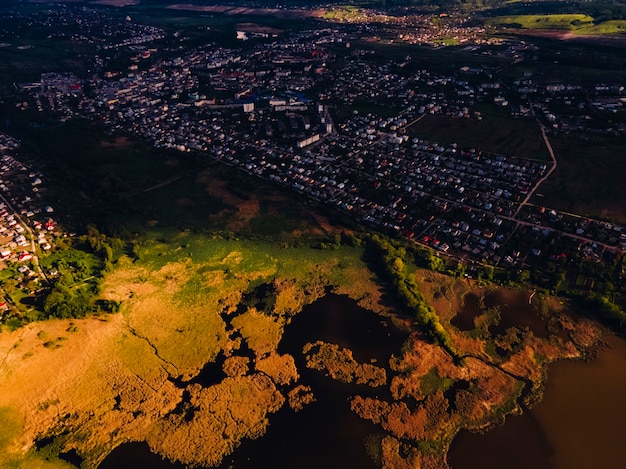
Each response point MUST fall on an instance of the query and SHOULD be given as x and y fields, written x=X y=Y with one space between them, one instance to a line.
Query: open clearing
x=192 y=302
x=120 y=378
x=589 y=180
x=494 y=134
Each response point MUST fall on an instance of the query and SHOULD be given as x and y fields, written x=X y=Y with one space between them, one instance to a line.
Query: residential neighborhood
x=27 y=226
x=325 y=113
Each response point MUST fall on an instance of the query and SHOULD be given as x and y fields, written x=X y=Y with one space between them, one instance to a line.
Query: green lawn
x=560 y=21
x=576 y=22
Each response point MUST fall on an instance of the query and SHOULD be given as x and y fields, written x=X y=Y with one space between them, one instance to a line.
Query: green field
x=606 y=27
x=563 y=21
x=496 y=133
x=575 y=22
x=589 y=179
x=427 y=57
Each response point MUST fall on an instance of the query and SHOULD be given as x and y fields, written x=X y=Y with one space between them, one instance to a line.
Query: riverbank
x=126 y=377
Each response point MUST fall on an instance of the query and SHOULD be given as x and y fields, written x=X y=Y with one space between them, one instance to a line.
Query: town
x=397 y=227
x=327 y=112
x=27 y=227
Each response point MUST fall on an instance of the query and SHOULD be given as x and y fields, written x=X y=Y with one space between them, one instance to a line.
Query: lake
x=325 y=433
x=579 y=423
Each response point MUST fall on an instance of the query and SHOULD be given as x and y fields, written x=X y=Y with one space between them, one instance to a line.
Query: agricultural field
x=495 y=133
x=588 y=179
x=557 y=21
x=576 y=23
x=606 y=27
x=27 y=58
x=428 y=57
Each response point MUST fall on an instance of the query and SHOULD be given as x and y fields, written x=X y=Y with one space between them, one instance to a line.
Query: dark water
x=136 y=455
x=339 y=320
x=515 y=310
x=325 y=434
x=579 y=424
x=464 y=319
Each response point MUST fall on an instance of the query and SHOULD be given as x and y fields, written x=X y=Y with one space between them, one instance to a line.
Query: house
x=25 y=256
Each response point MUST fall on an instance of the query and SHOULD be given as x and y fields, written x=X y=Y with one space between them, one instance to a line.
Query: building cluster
x=27 y=226
x=270 y=109
x=81 y=25
x=400 y=26
x=571 y=108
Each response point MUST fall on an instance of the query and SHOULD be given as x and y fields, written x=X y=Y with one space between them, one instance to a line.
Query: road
x=415 y=121
x=545 y=176
x=40 y=273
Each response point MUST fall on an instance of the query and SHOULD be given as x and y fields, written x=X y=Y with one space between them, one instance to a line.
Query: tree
x=397 y=265
x=523 y=276
x=436 y=263
x=487 y=272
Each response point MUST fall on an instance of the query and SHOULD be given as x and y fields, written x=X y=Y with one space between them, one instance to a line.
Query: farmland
x=576 y=23
x=495 y=133
x=562 y=21
x=588 y=180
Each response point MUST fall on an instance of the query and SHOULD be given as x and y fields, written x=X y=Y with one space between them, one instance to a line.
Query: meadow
x=588 y=179
x=556 y=21
x=577 y=23
x=495 y=133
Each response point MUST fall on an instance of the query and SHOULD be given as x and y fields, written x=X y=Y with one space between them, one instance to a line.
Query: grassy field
x=185 y=288
x=36 y=56
x=428 y=57
x=342 y=13
x=576 y=23
x=496 y=133
x=557 y=21
x=589 y=179
x=606 y=27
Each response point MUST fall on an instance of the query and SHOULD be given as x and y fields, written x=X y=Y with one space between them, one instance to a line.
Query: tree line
x=393 y=262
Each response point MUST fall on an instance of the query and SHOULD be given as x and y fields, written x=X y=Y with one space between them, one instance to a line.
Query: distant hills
x=600 y=10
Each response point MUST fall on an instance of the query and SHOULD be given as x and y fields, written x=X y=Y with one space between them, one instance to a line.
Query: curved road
x=546 y=176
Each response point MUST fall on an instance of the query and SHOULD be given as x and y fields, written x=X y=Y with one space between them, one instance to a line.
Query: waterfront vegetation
x=232 y=298
x=393 y=261
x=230 y=294
x=168 y=307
